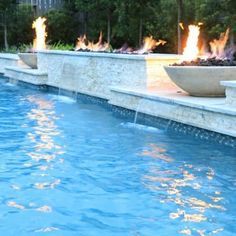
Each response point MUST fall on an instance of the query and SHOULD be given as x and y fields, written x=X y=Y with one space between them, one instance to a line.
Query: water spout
x=72 y=98
x=137 y=111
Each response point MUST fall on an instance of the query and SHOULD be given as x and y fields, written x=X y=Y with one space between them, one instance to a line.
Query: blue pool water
x=75 y=169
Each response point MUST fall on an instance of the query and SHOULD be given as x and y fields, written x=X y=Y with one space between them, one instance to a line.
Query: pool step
x=32 y=76
x=230 y=92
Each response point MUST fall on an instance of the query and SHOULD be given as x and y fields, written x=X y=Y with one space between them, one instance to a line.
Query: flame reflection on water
x=177 y=186
x=44 y=132
x=44 y=153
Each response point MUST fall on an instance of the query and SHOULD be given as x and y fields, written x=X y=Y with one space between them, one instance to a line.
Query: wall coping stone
x=9 y=56
x=151 y=56
x=231 y=84
x=27 y=71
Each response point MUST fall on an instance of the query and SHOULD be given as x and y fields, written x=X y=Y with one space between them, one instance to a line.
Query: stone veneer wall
x=8 y=60
x=95 y=73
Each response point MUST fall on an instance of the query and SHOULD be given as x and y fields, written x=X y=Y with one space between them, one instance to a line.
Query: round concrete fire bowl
x=201 y=81
x=30 y=59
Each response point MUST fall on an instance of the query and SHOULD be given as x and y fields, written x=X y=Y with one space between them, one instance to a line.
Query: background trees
x=5 y=8
x=120 y=20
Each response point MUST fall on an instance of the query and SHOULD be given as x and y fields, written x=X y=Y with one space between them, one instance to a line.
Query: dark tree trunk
x=109 y=27
x=85 y=22
x=5 y=32
x=180 y=16
x=231 y=39
x=140 y=31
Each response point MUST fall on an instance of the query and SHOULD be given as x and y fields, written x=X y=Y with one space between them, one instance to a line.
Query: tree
x=5 y=7
x=230 y=18
x=121 y=21
x=86 y=7
x=20 y=25
x=216 y=16
x=97 y=16
x=108 y=7
x=135 y=19
x=163 y=24
x=61 y=26
x=142 y=11
x=180 y=20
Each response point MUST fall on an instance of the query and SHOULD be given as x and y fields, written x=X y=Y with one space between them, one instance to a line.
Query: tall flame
x=41 y=34
x=191 y=51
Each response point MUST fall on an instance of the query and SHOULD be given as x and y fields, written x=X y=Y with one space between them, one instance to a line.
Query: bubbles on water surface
x=63 y=99
x=140 y=127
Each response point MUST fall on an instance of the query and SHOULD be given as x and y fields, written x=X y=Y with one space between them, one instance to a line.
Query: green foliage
x=12 y=49
x=27 y=47
x=217 y=16
x=6 y=4
x=95 y=16
x=18 y=21
x=120 y=21
x=164 y=24
x=20 y=48
x=61 y=27
x=21 y=25
x=61 y=46
x=24 y=47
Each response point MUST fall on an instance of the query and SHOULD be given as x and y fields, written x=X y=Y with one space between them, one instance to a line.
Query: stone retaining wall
x=95 y=73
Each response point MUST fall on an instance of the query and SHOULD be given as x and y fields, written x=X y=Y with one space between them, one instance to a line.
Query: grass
x=27 y=47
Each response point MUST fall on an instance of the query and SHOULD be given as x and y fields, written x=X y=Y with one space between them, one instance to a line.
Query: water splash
x=63 y=99
x=141 y=127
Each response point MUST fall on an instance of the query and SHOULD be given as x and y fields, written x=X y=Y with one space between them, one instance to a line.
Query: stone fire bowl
x=201 y=81
x=30 y=59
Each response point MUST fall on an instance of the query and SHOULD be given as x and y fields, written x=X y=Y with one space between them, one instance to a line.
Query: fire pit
x=84 y=45
x=30 y=58
x=201 y=81
x=202 y=76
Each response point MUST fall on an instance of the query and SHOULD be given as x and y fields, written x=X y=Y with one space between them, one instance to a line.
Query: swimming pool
x=76 y=169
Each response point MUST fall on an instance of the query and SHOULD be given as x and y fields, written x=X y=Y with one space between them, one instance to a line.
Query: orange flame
x=84 y=44
x=149 y=44
x=81 y=43
x=218 y=45
x=191 y=51
x=219 y=51
x=181 y=25
x=41 y=34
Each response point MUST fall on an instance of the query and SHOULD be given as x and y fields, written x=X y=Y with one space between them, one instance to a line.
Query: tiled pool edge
x=144 y=119
x=177 y=127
